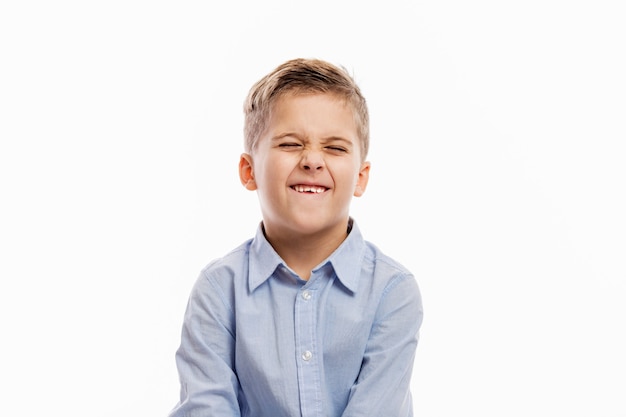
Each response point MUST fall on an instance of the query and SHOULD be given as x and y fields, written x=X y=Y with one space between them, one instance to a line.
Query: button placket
x=306 y=344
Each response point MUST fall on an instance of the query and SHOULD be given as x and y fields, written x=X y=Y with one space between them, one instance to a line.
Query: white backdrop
x=498 y=149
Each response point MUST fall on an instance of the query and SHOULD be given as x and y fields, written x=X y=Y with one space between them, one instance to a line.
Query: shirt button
x=306 y=295
x=307 y=356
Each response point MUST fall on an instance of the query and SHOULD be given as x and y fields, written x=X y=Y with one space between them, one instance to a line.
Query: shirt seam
x=210 y=280
x=400 y=276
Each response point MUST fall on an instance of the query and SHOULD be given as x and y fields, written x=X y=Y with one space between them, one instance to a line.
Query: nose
x=312 y=161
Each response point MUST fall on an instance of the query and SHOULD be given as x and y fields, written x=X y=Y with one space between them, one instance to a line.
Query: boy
x=306 y=318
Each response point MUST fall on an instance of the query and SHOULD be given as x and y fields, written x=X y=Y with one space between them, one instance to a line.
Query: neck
x=302 y=253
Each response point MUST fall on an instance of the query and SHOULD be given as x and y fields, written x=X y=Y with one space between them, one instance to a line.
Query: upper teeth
x=308 y=189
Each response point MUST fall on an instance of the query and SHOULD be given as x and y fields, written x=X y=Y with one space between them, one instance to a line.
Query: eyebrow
x=337 y=139
x=284 y=135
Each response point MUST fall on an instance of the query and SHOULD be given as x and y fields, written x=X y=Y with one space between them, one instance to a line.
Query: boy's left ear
x=361 y=182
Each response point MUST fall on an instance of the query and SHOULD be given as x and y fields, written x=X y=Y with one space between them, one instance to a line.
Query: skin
x=305 y=169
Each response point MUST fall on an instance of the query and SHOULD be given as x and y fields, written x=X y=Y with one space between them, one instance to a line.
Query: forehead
x=316 y=111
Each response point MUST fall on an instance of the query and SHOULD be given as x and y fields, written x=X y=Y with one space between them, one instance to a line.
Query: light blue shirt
x=258 y=341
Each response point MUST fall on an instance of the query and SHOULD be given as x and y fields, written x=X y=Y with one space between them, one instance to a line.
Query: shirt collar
x=263 y=260
x=348 y=258
x=345 y=260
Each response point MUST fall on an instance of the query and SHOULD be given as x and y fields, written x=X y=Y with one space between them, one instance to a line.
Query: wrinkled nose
x=312 y=161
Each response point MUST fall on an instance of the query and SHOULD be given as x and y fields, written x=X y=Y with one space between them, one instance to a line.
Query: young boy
x=306 y=318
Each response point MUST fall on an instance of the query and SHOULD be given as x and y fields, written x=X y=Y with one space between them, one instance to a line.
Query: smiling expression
x=307 y=166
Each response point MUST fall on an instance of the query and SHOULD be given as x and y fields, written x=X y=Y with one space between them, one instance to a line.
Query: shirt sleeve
x=383 y=385
x=205 y=358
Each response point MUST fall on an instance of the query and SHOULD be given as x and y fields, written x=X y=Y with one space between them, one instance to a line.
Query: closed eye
x=337 y=149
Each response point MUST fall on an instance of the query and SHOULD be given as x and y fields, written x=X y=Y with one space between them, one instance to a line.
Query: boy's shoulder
x=229 y=264
x=380 y=260
x=361 y=264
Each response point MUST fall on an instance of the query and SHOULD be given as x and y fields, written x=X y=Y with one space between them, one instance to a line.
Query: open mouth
x=311 y=189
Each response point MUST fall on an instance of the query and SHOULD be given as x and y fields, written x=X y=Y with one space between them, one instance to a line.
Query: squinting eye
x=337 y=149
x=288 y=145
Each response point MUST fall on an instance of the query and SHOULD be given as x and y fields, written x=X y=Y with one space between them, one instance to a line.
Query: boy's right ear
x=246 y=173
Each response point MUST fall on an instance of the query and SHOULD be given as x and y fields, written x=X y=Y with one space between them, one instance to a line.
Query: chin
x=310 y=225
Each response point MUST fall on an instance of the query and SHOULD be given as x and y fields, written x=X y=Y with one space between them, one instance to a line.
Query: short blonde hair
x=302 y=76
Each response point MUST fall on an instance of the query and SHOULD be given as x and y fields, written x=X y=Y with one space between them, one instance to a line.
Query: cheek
x=271 y=172
x=348 y=180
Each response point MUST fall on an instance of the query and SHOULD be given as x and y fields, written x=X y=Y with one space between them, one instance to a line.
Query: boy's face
x=307 y=166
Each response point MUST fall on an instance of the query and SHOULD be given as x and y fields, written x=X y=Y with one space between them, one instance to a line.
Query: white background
x=499 y=179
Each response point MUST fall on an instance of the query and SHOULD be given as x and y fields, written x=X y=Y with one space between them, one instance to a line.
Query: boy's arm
x=205 y=358
x=383 y=385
